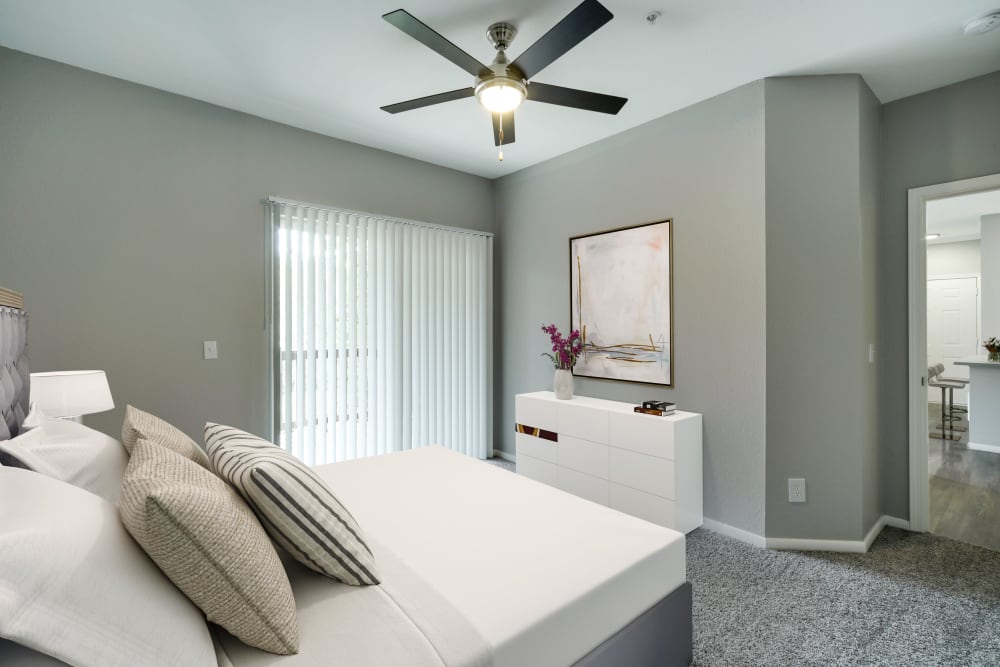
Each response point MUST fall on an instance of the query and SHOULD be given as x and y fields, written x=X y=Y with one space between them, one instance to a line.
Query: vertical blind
x=383 y=331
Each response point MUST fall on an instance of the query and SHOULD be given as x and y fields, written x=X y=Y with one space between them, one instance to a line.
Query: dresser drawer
x=645 y=434
x=538 y=448
x=542 y=471
x=536 y=412
x=584 y=456
x=584 y=486
x=583 y=421
x=643 y=472
x=643 y=505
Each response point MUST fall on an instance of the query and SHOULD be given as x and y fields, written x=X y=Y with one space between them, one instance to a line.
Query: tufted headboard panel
x=15 y=380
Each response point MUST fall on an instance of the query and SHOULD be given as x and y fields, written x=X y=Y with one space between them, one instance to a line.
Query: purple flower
x=565 y=351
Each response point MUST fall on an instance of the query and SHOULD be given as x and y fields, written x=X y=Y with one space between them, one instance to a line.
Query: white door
x=952 y=328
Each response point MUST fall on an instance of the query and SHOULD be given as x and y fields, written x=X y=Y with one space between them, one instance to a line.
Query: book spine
x=648 y=411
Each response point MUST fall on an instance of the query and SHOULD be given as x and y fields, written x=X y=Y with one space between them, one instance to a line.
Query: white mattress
x=544 y=576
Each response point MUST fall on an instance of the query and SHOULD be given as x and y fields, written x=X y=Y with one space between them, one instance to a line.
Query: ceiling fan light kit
x=501 y=94
x=502 y=86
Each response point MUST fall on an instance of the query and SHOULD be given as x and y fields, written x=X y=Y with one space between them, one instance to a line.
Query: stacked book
x=658 y=408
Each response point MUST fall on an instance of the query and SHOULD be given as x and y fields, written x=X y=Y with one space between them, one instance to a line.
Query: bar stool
x=948 y=387
x=955 y=412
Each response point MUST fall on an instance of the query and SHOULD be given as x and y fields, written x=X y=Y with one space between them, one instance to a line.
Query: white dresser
x=643 y=465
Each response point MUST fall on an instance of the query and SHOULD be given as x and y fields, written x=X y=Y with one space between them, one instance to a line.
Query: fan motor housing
x=501 y=35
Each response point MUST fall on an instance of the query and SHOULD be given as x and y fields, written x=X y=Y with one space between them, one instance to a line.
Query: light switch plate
x=211 y=349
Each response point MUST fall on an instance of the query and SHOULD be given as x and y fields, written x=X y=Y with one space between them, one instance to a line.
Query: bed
x=478 y=566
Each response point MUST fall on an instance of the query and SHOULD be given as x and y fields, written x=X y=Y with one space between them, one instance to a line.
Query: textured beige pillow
x=210 y=544
x=140 y=424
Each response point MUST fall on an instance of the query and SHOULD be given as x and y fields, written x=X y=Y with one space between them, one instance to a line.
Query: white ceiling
x=958 y=218
x=328 y=66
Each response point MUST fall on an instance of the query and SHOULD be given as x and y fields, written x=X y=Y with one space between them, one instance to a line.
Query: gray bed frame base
x=663 y=635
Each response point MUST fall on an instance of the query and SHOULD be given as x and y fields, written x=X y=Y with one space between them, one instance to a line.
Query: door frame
x=917 y=199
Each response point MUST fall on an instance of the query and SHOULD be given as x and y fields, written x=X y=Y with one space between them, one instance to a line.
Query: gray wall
x=947 y=134
x=870 y=127
x=704 y=167
x=990 y=281
x=821 y=158
x=131 y=220
x=948 y=259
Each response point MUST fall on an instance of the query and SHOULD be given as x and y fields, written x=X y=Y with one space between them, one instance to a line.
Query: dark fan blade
x=508 y=128
x=409 y=105
x=578 y=99
x=419 y=31
x=573 y=29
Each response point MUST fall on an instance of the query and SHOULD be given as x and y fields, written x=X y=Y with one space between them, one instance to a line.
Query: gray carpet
x=913 y=599
x=500 y=463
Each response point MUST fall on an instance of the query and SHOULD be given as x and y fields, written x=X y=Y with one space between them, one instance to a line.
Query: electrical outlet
x=211 y=349
x=796 y=490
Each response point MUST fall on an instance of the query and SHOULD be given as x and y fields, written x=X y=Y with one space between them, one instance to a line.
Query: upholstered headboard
x=15 y=380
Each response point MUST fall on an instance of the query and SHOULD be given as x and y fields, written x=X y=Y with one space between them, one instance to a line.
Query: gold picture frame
x=621 y=301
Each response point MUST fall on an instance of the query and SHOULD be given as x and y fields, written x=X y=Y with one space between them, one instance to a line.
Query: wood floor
x=964 y=490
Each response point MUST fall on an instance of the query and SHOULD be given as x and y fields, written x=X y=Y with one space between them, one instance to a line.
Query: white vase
x=562 y=384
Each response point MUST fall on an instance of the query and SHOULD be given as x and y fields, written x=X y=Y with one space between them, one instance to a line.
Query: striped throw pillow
x=295 y=506
x=141 y=424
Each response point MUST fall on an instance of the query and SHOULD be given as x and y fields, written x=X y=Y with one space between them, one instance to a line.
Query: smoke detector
x=983 y=24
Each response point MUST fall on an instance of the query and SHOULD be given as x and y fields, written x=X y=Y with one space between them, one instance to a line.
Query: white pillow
x=34 y=418
x=72 y=453
x=75 y=586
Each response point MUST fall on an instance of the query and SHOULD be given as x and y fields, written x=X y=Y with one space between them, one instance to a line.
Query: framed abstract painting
x=621 y=301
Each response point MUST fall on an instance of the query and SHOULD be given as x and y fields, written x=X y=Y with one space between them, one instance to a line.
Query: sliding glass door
x=383 y=330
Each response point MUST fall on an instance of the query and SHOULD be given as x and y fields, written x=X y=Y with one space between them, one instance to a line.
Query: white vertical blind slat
x=285 y=334
x=384 y=335
x=320 y=392
x=309 y=335
x=330 y=340
x=351 y=379
x=342 y=384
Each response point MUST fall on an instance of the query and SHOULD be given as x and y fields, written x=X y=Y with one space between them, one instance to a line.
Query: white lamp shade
x=71 y=393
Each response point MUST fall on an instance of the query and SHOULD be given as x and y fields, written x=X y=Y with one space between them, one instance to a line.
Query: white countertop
x=979 y=362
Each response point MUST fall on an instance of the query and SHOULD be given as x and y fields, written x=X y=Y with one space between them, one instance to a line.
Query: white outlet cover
x=796 y=490
x=211 y=349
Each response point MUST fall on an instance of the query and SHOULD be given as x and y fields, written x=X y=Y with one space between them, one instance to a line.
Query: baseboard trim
x=984 y=448
x=798 y=544
x=874 y=532
x=847 y=546
x=896 y=522
x=500 y=454
x=730 y=531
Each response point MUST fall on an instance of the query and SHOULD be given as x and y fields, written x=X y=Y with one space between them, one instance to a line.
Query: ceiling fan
x=502 y=86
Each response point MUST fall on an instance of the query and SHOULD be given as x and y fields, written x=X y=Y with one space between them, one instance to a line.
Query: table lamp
x=71 y=394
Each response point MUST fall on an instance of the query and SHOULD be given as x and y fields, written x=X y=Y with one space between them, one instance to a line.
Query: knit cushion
x=296 y=507
x=210 y=544
x=140 y=424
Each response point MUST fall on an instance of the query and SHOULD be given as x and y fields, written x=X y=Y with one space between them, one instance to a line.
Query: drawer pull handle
x=537 y=432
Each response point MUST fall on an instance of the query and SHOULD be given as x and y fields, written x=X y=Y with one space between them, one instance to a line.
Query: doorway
x=954 y=487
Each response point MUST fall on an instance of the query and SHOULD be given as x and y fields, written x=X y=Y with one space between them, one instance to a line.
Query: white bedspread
x=402 y=622
x=544 y=576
